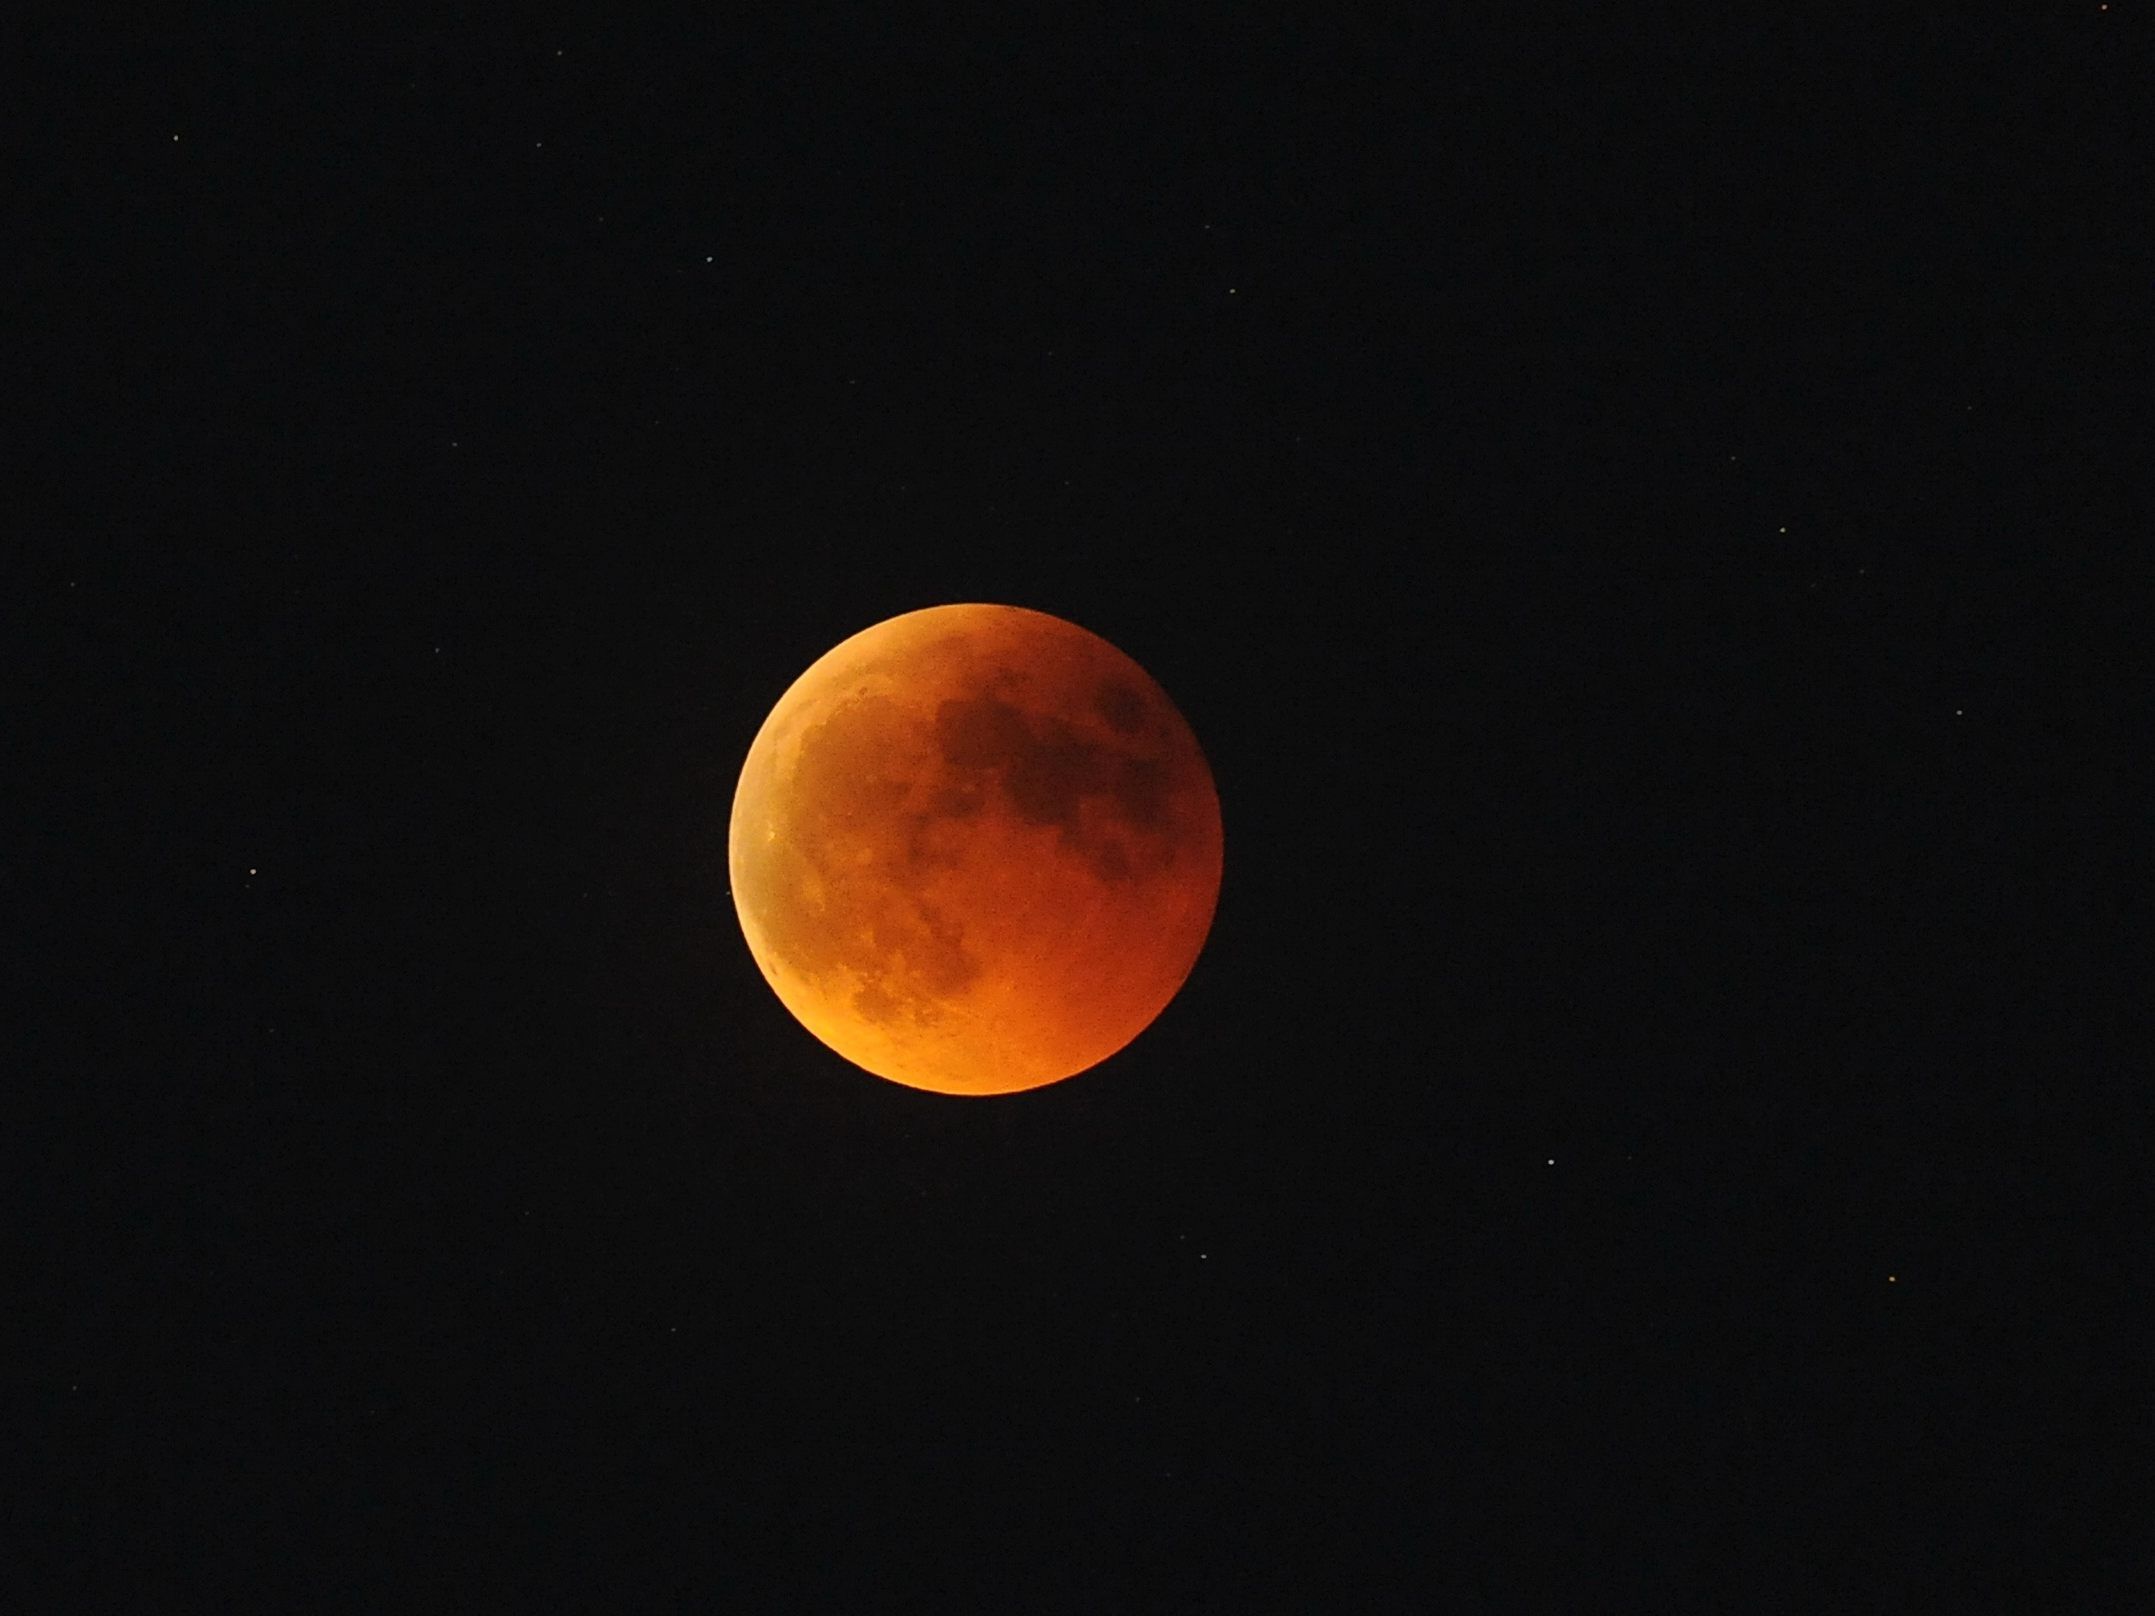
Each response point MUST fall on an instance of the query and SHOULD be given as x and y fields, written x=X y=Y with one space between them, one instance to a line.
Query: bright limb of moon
x=975 y=849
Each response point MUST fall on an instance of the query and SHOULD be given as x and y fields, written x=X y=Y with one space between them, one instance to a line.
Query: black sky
x=1622 y=504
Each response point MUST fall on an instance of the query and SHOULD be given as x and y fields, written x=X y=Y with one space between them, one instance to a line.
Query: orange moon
x=975 y=849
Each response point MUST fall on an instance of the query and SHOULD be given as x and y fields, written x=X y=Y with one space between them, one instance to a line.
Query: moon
x=975 y=849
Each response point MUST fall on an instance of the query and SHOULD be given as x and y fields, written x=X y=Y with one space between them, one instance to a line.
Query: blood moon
x=975 y=849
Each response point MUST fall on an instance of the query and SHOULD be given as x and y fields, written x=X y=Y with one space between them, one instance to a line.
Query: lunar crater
x=1122 y=707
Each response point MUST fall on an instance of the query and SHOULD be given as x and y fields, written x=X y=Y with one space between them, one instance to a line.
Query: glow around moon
x=975 y=849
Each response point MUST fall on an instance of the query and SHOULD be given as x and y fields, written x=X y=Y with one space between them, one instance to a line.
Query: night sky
x=1622 y=505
